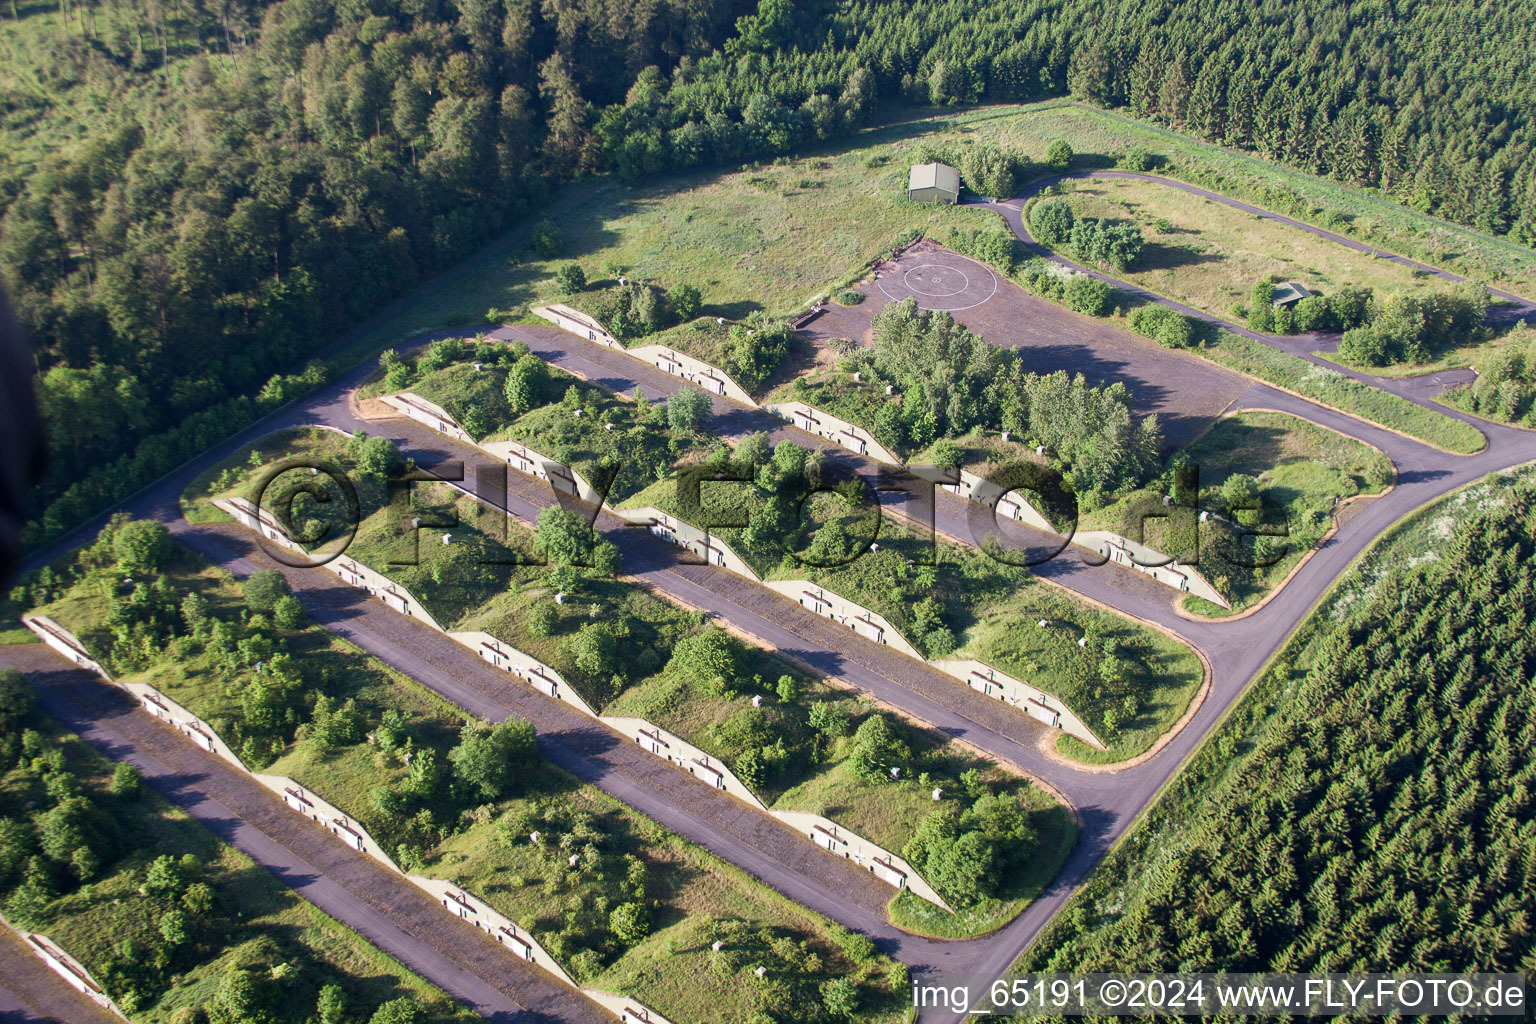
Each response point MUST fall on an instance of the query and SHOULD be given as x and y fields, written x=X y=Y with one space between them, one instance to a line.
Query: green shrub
x=848 y=297
x=263 y=590
x=1136 y=159
x=1261 y=309
x=1168 y=327
x=141 y=546
x=1088 y=295
x=684 y=300
x=570 y=278
x=1050 y=221
x=547 y=239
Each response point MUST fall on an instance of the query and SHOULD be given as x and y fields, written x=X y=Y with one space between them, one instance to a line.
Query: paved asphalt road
x=592 y=752
x=1107 y=801
x=30 y=993
x=1417 y=389
x=390 y=912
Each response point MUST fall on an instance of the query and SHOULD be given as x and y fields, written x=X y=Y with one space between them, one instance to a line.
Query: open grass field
x=776 y=236
x=767 y=236
x=1212 y=254
x=1303 y=472
x=256 y=921
x=1099 y=136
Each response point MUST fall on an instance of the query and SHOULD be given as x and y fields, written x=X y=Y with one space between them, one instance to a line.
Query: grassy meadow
x=775 y=236
x=1211 y=254
x=1302 y=471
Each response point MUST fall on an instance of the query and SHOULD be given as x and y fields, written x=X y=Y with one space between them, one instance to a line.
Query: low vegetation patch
x=1211 y=250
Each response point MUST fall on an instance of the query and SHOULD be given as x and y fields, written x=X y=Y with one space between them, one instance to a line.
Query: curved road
x=1108 y=801
x=1416 y=389
x=1236 y=649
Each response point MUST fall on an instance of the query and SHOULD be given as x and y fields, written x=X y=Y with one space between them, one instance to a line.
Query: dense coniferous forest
x=270 y=172
x=1380 y=820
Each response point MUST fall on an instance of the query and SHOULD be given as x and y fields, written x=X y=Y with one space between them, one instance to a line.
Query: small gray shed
x=1289 y=293
x=933 y=183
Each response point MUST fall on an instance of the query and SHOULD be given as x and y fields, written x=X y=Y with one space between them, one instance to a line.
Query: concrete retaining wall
x=1120 y=549
x=65 y=966
x=515 y=454
x=466 y=906
x=408 y=403
x=348 y=570
x=65 y=642
x=1014 y=505
x=1035 y=702
x=325 y=814
x=182 y=720
x=710 y=770
x=529 y=462
x=526 y=667
x=685 y=535
x=577 y=322
x=879 y=861
x=627 y=1010
x=818 y=599
x=840 y=432
x=1128 y=553
x=680 y=364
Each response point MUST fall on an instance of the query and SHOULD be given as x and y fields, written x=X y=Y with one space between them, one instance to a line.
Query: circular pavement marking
x=956 y=284
x=935 y=281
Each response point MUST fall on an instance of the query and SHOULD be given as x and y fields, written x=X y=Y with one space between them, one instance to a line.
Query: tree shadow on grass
x=1159 y=256
x=1092 y=162
x=669 y=875
x=738 y=310
x=1244 y=448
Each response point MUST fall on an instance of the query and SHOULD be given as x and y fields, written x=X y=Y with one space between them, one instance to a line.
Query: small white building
x=933 y=183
